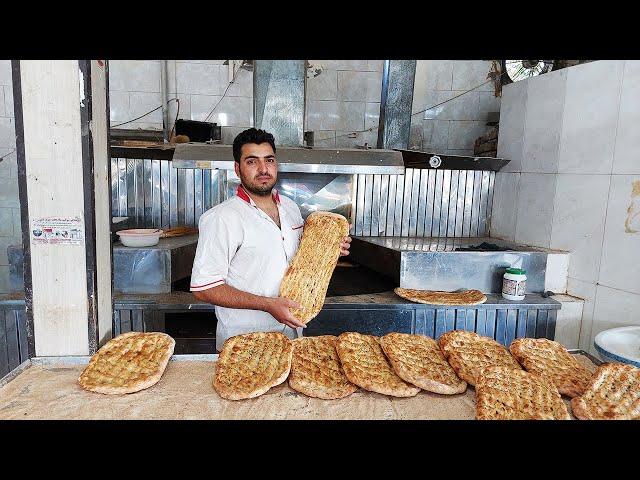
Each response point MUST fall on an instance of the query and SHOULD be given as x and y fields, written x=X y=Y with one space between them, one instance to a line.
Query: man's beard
x=261 y=189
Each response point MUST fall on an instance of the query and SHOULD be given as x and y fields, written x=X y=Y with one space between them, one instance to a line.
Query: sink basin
x=619 y=345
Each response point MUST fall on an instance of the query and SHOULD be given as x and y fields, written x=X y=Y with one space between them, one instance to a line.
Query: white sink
x=619 y=345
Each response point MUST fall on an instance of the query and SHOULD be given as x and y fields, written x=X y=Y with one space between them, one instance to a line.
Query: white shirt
x=240 y=245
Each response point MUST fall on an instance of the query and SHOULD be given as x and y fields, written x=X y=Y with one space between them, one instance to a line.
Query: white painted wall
x=572 y=136
x=10 y=229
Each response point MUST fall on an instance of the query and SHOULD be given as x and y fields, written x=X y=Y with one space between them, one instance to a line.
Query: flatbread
x=307 y=278
x=503 y=393
x=437 y=297
x=612 y=394
x=250 y=364
x=178 y=232
x=418 y=360
x=316 y=370
x=365 y=365
x=468 y=353
x=128 y=363
x=551 y=360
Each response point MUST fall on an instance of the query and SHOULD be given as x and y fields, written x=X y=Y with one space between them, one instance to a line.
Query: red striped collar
x=242 y=193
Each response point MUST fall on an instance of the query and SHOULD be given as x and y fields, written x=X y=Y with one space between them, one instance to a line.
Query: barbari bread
x=418 y=360
x=612 y=394
x=316 y=370
x=366 y=365
x=128 y=363
x=468 y=353
x=551 y=360
x=436 y=297
x=503 y=393
x=250 y=364
x=307 y=278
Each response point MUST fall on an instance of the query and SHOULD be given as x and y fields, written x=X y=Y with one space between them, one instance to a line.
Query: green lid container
x=516 y=271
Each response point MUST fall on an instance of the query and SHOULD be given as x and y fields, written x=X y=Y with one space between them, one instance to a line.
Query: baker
x=246 y=244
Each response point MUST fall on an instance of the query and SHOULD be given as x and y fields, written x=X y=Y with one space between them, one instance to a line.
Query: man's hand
x=279 y=308
x=344 y=246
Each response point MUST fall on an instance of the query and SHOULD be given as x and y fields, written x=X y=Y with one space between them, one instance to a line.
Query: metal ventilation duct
x=395 y=108
x=278 y=99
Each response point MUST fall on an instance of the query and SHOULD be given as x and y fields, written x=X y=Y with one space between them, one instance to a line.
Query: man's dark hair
x=251 y=135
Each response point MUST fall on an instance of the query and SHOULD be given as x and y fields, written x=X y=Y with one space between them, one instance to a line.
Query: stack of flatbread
x=250 y=364
x=128 y=363
x=366 y=365
x=468 y=353
x=551 y=360
x=307 y=278
x=436 y=297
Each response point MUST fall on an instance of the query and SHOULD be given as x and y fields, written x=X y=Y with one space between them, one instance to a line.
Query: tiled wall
x=574 y=182
x=9 y=203
x=451 y=128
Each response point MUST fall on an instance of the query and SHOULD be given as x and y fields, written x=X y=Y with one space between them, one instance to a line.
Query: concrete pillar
x=62 y=121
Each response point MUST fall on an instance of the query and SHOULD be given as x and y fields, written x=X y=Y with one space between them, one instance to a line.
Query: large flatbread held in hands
x=437 y=297
x=503 y=393
x=366 y=365
x=128 y=363
x=551 y=360
x=418 y=360
x=316 y=370
x=307 y=278
x=468 y=353
x=612 y=394
x=250 y=364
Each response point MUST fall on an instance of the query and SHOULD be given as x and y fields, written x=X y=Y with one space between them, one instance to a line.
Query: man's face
x=257 y=169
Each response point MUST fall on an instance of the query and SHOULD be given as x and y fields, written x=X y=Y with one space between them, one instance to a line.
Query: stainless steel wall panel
x=384 y=197
x=521 y=327
x=501 y=326
x=470 y=322
x=422 y=202
x=551 y=324
x=481 y=321
x=397 y=216
x=541 y=324
x=206 y=191
x=461 y=316
x=449 y=319
x=415 y=202
x=430 y=323
x=453 y=203
x=180 y=194
x=368 y=198
x=131 y=190
x=148 y=194
x=165 y=194
x=490 y=325
x=173 y=197
x=406 y=202
x=475 y=205
x=115 y=207
x=360 y=203
x=428 y=217
x=189 y=197
x=492 y=177
x=391 y=205
x=198 y=187
x=375 y=206
x=532 y=316
x=484 y=200
x=468 y=202
x=512 y=321
x=444 y=205
x=440 y=323
x=437 y=204
x=156 y=206
x=462 y=186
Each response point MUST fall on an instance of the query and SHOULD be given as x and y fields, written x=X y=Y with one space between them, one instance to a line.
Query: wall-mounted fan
x=521 y=69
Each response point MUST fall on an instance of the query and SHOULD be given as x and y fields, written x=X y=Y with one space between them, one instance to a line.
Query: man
x=246 y=244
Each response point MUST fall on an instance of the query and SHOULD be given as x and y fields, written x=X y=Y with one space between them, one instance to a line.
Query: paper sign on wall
x=58 y=230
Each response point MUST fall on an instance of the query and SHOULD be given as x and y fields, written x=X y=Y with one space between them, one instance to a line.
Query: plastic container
x=514 y=282
x=140 y=237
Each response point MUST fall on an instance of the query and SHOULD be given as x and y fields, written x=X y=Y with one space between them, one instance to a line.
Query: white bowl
x=620 y=344
x=140 y=237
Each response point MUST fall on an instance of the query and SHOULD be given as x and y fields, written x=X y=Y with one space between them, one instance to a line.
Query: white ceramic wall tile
x=142 y=126
x=415 y=136
x=487 y=102
x=8 y=165
x=375 y=65
x=119 y=107
x=7 y=133
x=350 y=116
x=372 y=115
x=614 y=308
x=590 y=117
x=432 y=101
x=324 y=86
x=357 y=65
x=535 y=209
x=586 y=291
x=324 y=138
x=543 y=122
x=512 y=115
x=322 y=115
x=4 y=279
x=435 y=135
x=347 y=139
x=465 y=107
x=505 y=205
x=374 y=87
x=9 y=193
x=230 y=133
x=620 y=248
x=17 y=222
x=142 y=102
x=578 y=221
x=568 y=320
x=232 y=111
x=5 y=72
x=210 y=62
x=242 y=86
x=8 y=101
x=4 y=243
x=134 y=75
x=463 y=134
x=201 y=79
x=439 y=74
x=201 y=105
x=627 y=150
x=185 y=107
x=352 y=86
x=6 y=222
x=172 y=87
x=468 y=74
x=2 y=103
x=555 y=278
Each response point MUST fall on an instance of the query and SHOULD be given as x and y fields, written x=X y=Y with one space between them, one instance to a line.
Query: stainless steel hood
x=296 y=159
